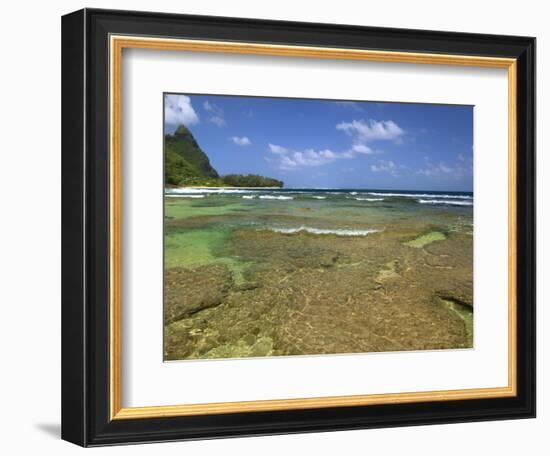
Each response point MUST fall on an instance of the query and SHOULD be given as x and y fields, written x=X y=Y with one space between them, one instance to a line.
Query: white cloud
x=295 y=159
x=241 y=140
x=371 y=130
x=384 y=166
x=348 y=104
x=277 y=149
x=365 y=131
x=441 y=170
x=178 y=110
x=390 y=167
x=361 y=148
x=361 y=131
x=217 y=120
x=216 y=115
x=431 y=171
x=308 y=157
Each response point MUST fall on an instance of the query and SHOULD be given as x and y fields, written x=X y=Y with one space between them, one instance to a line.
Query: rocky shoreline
x=306 y=294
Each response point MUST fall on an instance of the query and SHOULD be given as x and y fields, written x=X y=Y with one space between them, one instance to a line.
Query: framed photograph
x=278 y=227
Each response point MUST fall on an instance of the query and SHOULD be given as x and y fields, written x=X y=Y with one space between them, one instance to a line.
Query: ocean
x=291 y=271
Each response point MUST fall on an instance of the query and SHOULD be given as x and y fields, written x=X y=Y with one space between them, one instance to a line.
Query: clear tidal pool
x=279 y=272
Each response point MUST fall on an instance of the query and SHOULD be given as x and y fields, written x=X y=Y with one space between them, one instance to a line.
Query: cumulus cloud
x=178 y=110
x=364 y=132
x=241 y=140
x=308 y=157
x=276 y=149
x=215 y=114
x=361 y=131
x=361 y=148
x=371 y=130
x=295 y=159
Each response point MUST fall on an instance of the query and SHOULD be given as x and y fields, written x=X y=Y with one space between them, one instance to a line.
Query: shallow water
x=299 y=271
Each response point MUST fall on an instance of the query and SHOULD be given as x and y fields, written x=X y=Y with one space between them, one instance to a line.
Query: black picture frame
x=85 y=225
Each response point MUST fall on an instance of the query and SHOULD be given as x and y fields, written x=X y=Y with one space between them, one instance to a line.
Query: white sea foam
x=249 y=197
x=452 y=202
x=205 y=190
x=337 y=232
x=421 y=195
x=273 y=197
x=353 y=193
x=185 y=196
x=320 y=197
x=369 y=199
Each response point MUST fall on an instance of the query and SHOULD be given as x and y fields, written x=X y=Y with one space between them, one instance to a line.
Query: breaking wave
x=273 y=197
x=201 y=190
x=451 y=202
x=421 y=195
x=185 y=196
x=337 y=232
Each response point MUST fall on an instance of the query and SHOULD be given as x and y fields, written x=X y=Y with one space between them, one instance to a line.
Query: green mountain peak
x=184 y=159
x=185 y=163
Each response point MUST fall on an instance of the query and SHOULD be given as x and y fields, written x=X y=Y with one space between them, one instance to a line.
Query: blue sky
x=338 y=144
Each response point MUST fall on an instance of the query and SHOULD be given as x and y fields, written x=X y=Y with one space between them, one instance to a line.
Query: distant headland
x=187 y=165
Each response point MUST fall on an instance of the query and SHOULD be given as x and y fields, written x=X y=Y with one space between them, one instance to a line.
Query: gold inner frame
x=117 y=44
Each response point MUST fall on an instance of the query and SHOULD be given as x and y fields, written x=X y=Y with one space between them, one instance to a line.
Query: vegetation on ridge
x=186 y=164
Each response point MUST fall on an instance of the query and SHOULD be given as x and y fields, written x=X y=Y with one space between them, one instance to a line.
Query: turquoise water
x=265 y=272
x=201 y=221
x=322 y=211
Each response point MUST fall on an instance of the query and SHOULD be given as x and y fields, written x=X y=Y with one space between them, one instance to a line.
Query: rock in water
x=188 y=291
